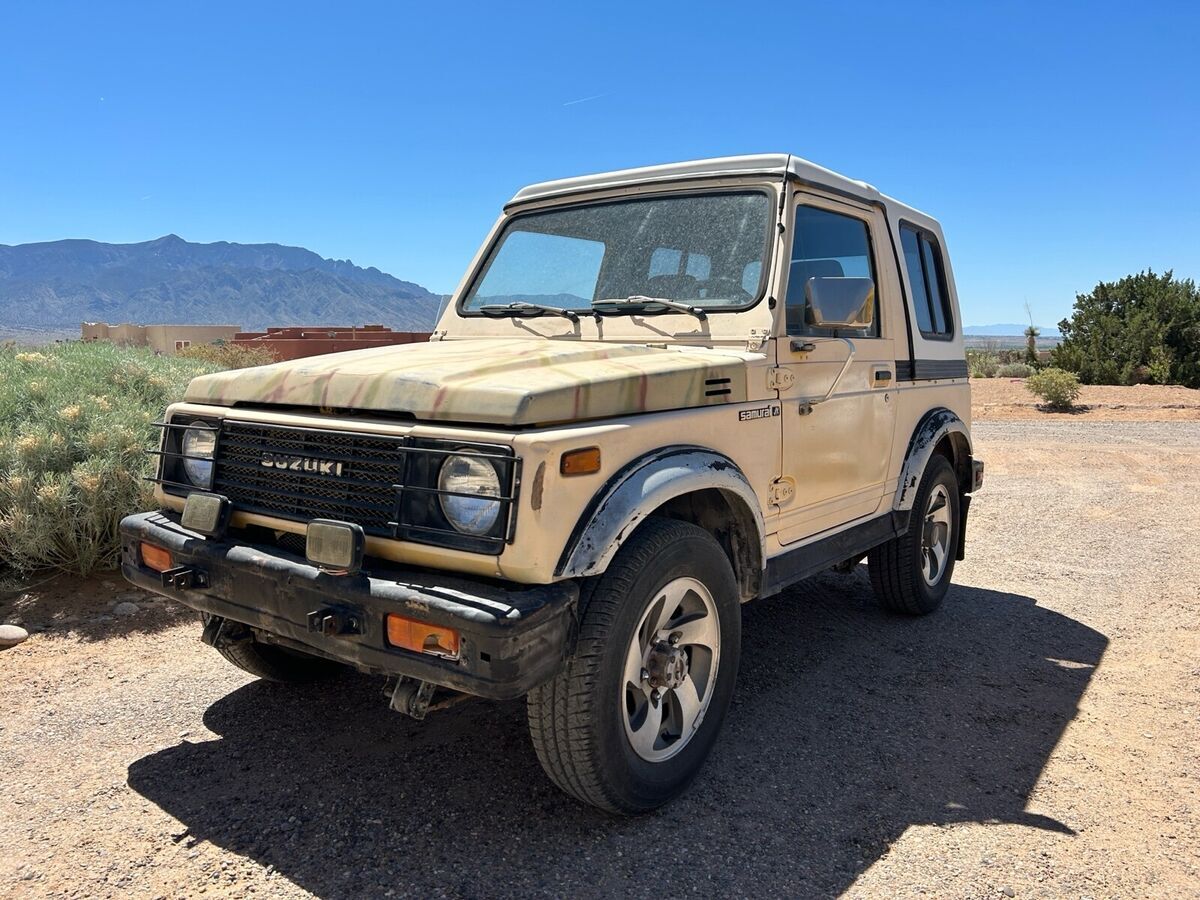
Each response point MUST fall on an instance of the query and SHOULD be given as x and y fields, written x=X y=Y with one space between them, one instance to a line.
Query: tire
x=595 y=730
x=900 y=569
x=273 y=663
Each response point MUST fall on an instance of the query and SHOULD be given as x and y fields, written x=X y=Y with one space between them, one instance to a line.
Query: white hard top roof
x=771 y=164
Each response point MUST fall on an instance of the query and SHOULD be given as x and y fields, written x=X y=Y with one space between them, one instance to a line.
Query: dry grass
x=229 y=355
x=75 y=420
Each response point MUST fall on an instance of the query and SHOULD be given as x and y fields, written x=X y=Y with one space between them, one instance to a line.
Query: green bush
x=1014 y=370
x=74 y=425
x=1057 y=388
x=982 y=363
x=1143 y=327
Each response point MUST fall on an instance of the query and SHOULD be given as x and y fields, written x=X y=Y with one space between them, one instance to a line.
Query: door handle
x=883 y=376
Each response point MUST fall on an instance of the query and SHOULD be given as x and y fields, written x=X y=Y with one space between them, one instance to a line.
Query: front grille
x=363 y=492
x=388 y=485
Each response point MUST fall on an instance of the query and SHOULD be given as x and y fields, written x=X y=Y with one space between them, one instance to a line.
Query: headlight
x=469 y=475
x=200 y=441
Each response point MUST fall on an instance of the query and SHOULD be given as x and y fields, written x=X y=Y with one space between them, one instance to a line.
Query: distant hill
x=1007 y=330
x=62 y=283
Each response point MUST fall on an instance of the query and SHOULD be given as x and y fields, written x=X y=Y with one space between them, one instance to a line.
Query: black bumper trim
x=512 y=638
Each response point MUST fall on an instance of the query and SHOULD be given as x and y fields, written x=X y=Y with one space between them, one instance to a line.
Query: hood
x=509 y=382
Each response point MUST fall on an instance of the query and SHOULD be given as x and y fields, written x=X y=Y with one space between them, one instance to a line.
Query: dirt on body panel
x=522 y=382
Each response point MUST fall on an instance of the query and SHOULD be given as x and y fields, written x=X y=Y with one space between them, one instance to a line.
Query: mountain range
x=59 y=284
x=1008 y=329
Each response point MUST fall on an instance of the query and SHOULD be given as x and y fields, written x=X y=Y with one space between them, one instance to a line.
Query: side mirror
x=839 y=302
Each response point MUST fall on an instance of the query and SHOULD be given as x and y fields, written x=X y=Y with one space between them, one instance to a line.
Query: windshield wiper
x=530 y=310
x=640 y=302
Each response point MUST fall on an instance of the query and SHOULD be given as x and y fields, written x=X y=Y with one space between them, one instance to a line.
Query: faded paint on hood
x=519 y=382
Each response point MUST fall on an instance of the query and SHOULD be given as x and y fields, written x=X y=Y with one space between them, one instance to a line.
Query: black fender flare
x=644 y=485
x=934 y=425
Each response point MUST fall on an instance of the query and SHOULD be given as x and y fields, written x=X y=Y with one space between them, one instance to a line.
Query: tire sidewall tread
x=895 y=566
x=575 y=718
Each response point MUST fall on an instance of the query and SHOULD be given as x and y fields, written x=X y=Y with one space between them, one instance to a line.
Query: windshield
x=705 y=250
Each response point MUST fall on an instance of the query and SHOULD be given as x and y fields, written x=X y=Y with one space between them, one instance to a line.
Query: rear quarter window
x=927 y=279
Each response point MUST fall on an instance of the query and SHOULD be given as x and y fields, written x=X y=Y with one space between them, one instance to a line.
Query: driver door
x=836 y=451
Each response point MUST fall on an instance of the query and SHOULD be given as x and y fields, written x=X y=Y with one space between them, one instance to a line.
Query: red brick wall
x=300 y=341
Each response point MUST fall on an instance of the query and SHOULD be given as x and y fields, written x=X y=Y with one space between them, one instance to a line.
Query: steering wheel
x=726 y=288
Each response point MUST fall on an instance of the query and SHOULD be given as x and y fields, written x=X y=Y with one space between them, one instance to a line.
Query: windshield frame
x=497 y=241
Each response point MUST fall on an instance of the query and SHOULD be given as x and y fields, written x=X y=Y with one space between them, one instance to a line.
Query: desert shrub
x=1161 y=360
x=1014 y=370
x=1057 y=388
x=229 y=355
x=1145 y=326
x=74 y=425
x=982 y=363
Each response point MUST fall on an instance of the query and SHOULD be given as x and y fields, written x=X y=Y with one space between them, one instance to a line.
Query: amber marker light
x=422 y=637
x=156 y=558
x=584 y=461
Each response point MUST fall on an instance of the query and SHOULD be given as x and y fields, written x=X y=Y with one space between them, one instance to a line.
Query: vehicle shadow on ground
x=848 y=726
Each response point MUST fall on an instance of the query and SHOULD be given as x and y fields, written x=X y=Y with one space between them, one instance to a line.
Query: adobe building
x=165 y=339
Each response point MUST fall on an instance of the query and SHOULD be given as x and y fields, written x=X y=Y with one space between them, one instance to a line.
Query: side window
x=698 y=266
x=751 y=275
x=668 y=262
x=927 y=277
x=678 y=274
x=827 y=245
x=665 y=261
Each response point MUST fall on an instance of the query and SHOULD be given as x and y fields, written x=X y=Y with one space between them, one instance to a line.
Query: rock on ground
x=11 y=635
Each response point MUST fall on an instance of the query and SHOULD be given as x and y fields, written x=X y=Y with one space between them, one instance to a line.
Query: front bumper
x=511 y=638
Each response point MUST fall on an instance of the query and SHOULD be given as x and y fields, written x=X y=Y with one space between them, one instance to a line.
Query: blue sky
x=1058 y=143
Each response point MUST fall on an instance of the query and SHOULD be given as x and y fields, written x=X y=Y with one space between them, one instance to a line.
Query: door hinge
x=439 y=335
x=780 y=379
x=757 y=339
x=782 y=491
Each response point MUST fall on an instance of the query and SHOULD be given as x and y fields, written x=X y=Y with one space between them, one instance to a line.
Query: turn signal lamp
x=156 y=558
x=422 y=637
x=584 y=461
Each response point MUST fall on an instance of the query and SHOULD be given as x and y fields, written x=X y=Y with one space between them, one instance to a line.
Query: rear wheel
x=631 y=718
x=911 y=574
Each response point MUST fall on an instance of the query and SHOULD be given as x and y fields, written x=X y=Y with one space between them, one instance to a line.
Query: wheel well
x=726 y=518
x=957 y=451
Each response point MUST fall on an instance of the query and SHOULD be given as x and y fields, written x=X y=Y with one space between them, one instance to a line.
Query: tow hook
x=183 y=578
x=332 y=622
x=415 y=698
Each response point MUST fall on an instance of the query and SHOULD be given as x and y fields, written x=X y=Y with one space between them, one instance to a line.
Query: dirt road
x=1037 y=737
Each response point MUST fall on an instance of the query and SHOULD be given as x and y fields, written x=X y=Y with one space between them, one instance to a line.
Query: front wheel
x=629 y=721
x=273 y=663
x=911 y=574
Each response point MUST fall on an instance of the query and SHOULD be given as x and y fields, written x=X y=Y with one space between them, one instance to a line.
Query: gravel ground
x=1037 y=737
x=1008 y=398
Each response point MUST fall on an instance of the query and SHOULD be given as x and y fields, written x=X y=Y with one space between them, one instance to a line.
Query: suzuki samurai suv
x=657 y=394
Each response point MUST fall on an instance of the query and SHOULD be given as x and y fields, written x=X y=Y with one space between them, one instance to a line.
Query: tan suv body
x=750 y=369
